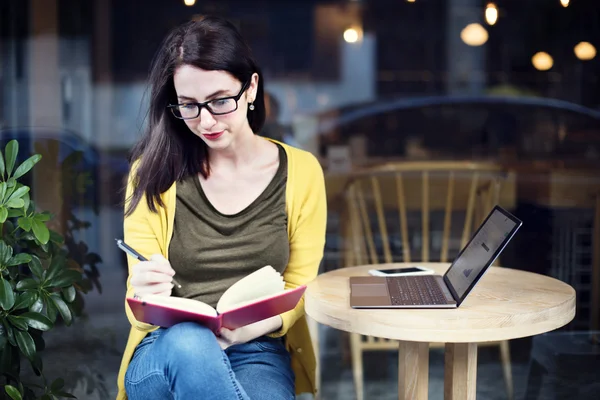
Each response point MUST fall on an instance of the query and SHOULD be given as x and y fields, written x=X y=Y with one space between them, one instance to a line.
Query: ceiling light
x=491 y=13
x=542 y=61
x=585 y=51
x=474 y=35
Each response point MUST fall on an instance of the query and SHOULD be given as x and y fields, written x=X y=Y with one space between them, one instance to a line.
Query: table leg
x=413 y=370
x=460 y=371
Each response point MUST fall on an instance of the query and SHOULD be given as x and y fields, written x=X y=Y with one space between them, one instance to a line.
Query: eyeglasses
x=224 y=105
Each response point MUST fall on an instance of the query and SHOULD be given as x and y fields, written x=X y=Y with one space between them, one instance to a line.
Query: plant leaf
x=17 y=322
x=56 y=237
x=69 y=293
x=51 y=310
x=7 y=296
x=13 y=273
x=3 y=214
x=40 y=231
x=37 y=363
x=9 y=332
x=65 y=394
x=62 y=307
x=12 y=148
x=15 y=212
x=37 y=321
x=25 y=343
x=43 y=217
x=57 y=264
x=15 y=203
x=25 y=300
x=5 y=252
x=38 y=339
x=13 y=392
x=65 y=278
x=37 y=306
x=26 y=200
x=28 y=236
x=28 y=283
x=26 y=165
x=18 y=193
x=35 y=265
x=24 y=223
x=18 y=259
x=2 y=167
x=57 y=385
x=2 y=337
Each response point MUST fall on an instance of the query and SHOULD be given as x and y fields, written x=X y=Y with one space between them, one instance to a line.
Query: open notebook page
x=262 y=283
x=180 y=303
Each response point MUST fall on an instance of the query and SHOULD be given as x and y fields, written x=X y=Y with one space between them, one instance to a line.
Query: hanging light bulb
x=585 y=51
x=542 y=61
x=189 y=3
x=474 y=35
x=565 y=3
x=491 y=13
x=351 y=35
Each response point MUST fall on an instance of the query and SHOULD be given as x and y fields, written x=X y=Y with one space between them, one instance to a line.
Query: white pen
x=127 y=249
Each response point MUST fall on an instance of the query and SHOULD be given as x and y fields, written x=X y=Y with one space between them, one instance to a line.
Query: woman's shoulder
x=300 y=158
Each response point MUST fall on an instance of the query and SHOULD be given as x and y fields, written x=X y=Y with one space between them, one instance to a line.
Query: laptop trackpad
x=369 y=290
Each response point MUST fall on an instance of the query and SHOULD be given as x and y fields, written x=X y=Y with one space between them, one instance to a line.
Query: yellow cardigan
x=150 y=233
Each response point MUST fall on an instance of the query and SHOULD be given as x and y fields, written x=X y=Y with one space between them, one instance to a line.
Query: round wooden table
x=505 y=304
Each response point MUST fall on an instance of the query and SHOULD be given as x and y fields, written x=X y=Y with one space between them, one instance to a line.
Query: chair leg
x=357 y=364
x=506 y=368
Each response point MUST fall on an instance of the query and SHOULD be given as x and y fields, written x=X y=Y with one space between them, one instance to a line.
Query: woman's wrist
x=277 y=324
x=270 y=325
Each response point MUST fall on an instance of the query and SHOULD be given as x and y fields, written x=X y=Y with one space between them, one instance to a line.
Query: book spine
x=219 y=322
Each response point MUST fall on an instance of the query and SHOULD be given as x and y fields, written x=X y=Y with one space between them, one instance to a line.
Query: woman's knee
x=189 y=341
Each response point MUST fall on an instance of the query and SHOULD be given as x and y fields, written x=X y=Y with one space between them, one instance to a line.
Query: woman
x=209 y=201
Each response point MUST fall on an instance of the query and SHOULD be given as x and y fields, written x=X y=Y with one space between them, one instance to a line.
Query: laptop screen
x=481 y=251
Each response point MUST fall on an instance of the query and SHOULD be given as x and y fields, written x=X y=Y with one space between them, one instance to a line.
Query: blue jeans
x=186 y=362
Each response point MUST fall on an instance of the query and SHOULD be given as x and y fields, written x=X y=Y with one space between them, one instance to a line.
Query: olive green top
x=210 y=251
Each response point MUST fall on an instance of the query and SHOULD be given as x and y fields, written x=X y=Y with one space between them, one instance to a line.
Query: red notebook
x=255 y=297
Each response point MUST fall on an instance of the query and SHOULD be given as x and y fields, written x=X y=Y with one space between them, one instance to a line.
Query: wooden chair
x=383 y=205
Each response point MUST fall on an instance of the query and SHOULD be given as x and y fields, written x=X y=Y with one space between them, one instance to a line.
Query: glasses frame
x=206 y=104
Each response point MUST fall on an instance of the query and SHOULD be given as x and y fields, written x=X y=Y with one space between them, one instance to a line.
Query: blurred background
x=510 y=87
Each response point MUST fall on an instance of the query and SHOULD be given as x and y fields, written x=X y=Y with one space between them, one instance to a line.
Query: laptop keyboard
x=415 y=290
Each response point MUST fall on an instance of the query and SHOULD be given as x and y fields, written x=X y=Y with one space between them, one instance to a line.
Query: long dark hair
x=168 y=151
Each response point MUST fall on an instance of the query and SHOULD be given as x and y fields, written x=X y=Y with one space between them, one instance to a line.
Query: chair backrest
x=384 y=204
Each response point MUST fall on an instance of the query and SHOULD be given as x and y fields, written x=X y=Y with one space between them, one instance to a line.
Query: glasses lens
x=186 y=111
x=222 y=106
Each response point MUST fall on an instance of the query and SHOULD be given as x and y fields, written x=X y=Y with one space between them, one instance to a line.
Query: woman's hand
x=247 y=333
x=152 y=277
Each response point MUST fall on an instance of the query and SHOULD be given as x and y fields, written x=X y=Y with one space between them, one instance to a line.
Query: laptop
x=436 y=291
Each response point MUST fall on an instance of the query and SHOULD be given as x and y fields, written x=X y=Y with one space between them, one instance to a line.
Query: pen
x=127 y=249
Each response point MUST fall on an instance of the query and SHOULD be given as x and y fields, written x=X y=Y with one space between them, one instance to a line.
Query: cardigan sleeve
x=307 y=234
x=138 y=234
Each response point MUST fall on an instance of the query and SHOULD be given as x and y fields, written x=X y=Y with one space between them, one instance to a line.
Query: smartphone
x=416 y=270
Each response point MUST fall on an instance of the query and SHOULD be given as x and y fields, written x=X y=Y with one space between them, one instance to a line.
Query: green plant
x=39 y=283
